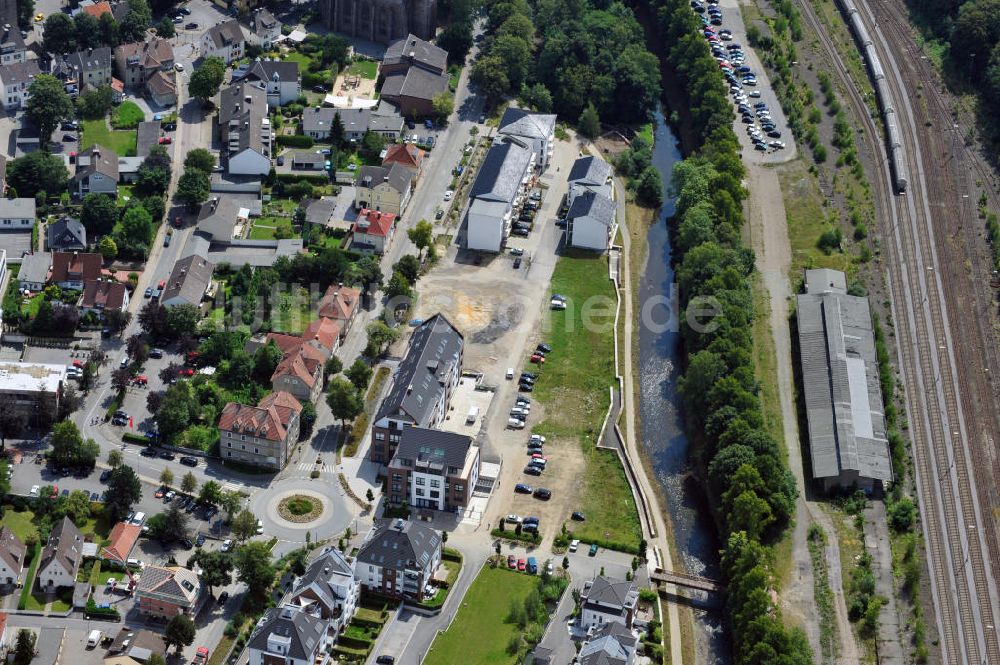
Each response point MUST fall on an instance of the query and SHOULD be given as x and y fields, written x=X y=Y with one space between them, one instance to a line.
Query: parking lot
x=463 y=400
x=16 y=243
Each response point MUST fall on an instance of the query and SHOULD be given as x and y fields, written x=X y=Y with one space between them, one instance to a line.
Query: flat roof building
x=847 y=438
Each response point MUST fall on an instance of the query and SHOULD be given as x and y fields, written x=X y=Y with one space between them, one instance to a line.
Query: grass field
x=265 y=228
x=807 y=220
x=577 y=376
x=366 y=69
x=479 y=634
x=97 y=131
x=21 y=523
x=127 y=116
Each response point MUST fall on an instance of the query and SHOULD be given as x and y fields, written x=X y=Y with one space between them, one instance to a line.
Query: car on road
x=39 y=17
x=520 y=488
x=148 y=452
x=385 y=660
x=512 y=519
x=35 y=489
x=260 y=527
x=187 y=460
x=227 y=545
x=167 y=455
x=593 y=550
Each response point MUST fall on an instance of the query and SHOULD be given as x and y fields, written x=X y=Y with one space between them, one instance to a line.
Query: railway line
x=959 y=560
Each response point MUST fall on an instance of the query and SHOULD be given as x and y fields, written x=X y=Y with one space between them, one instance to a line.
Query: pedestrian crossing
x=323 y=468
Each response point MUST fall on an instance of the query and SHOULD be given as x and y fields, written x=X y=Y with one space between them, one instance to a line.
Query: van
x=472 y=415
x=94 y=638
x=124 y=362
x=532 y=565
x=138 y=518
x=510 y=373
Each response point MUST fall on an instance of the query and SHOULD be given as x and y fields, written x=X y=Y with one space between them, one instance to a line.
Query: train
x=894 y=145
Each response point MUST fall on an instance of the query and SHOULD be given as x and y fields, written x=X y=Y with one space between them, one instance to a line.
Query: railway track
x=958 y=558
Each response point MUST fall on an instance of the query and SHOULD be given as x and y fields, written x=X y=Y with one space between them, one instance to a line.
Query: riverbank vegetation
x=748 y=481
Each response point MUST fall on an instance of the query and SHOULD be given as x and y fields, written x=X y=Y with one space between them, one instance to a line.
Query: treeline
x=63 y=34
x=569 y=58
x=748 y=481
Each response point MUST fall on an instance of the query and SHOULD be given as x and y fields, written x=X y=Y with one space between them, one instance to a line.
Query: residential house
x=32 y=387
x=398 y=558
x=848 y=445
x=15 y=78
x=261 y=435
x=122 y=539
x=307 y=160
x=422 y=386
x=12 y=557
x=414 y=91
x=355 y=122
x=322 y=334
x=17 y=214
x=383 y=188
x=433 y=469
x=317 y=121
x=102 y=295
x=611 y=644
x=534 y=131
x=389 y=125
x=224 y=217
x=300 y=373
x=340 y=303
x=320 y=212
x=498 y=189
x=590 y=222
x=136 y=645
x=148 y=66
x=244 y=129
x=96 y=172
x=67 y=235
x=72 y=270
x=606 y=600
x=61 y=557
x=372 y=231
x=405 y=154
x=265 y=30
x=288 y=635
x=328 y=589
x=188 y=283
x=162 y=89
x=12 y=47
x=97 y=9
x=280 y=80
x=163 y=593
x=224 y=40
x=589 y=174
x=34 y=273
x=412 y=51
x=84 y=70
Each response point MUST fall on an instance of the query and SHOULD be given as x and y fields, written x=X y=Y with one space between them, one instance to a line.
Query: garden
x=359 y=637
x=122 y=141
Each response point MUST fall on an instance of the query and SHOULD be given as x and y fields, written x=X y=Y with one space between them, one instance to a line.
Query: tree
x=565 y=563
x=649 y=188
x=379 y=336
x=372 y=143
x=306 y=420
x=409 y=266
x=99 y=214
x=244 y=526
x=182 y=319
x=154 y=400
x=369 y=273
x=443 y=104
x=189 y=483
x=87 y=35
x=344 y=401
x=489 y=73
x=96 y=102
x=193 y=187
x=165 y=28
x=153 y=318
x=370 y=495
x=108 y=248
x=211 y=492
x=166 y=477
x=201 y=159
x=335 y=49
x=902 y=514
x=333 y=366
x=107 y=27
x=230 y=502
x=216 y=568
x=206 y=78
x=515 y=53
x=24 y=649
x=179 y=633
x=153 y=177
x=47 y=106
x=266 y=359
x=398 y=286
x=421 y=235
x=36 y=172
x=136 y=231
x=337 y=133
x=456 y=39
x=124 y=490
x=138 y=18
x=59 y=34
x=359 y=374
x=253 y=568
x=590 y=122
x=69 y=447
x=115 y=458
x=12 y=418
x=537 y=96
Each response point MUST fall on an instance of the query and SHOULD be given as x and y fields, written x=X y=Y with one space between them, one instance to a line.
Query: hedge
x=29 y=580
x=291 y=179
x=295 y=141
x=116 y=404
x=354 y=642
x=128 y=437
x=524 y=537
x=367 y=623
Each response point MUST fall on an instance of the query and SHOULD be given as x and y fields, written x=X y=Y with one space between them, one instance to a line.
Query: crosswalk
x=323 y=468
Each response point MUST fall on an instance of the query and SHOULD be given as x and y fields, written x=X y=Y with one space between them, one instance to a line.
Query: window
x=420 y=481
x=420 y=492
x=229 y=444
x=229 y=435
x=459 y=488
x=435 y=494
x=380 y=436
x=435 y=482
x=243 y=437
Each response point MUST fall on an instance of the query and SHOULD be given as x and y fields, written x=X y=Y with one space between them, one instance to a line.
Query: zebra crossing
x=323 y=468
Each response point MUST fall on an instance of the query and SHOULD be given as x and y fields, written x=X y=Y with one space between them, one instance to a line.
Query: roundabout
x=300 y=508
x=297 y=506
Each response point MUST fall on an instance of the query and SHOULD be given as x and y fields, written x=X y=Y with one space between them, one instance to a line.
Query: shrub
x=295 y=141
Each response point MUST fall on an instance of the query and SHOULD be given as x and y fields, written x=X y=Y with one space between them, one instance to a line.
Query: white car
x=448 y=195
x=514 y=423
x=34 y=490
x=227 y=545
x=179 y=67
x=536 y=437
x=513 y=519
x=573 y=545
x=260 y=527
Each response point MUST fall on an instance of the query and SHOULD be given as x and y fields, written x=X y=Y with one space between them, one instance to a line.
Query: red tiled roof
x=324 y=331
x=302 y=364
x=98 y=8
x=374 y=222
x=405 y=154
x=268 y=420
x=74 y=266
x=123 y=539
x=103 y=295
x=339 y=302
x=287 y=343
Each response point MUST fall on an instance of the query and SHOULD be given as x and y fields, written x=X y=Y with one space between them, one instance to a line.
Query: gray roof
x=416 y=82
x=147 y=136
x=256 y=256
x=318 y=576
x=612 y=644
x=397 y=175
x=589 y=170
x=302 y=631
x=518 y=122
x=355 y=120
x=65 y=545
x=436 y=448
x=435 y=347
x=89 y=59
x=67 y=233
x=399 y=545
x=499 y=177
x=418 y=52
x=591 y=204
x=233 y=102
x=35 y=267
x=10 y=39
x=607 y=591
x=843 y=395
x=273 y=70
x=97 y=159
x=19 y=72
x=385 y=123
x=11 y=549
x=225 y=33
x=17 y=208
x=308 y=157
x=318 y=119
x=189 y=280
x=319 y=210
x=262 y=20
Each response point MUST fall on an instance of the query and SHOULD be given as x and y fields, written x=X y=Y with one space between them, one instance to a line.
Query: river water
x=659 y=406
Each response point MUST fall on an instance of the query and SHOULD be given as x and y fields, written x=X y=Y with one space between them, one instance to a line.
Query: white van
x=138 y=519
x=94 y=638
x=510 y=373
x=470 y=419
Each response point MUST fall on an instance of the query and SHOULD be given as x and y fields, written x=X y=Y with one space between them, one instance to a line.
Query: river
x=662 y=427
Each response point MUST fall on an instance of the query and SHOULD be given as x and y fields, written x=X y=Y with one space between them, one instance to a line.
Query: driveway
x=16 y=243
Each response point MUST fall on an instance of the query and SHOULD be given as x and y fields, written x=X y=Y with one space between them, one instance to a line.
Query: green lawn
x=97 y=131
x=366 y=69
x=62 y=601
x=127 y=116
x=300 y=58
x=30 y=307
x=479 y=635
x=21 y=523
x=577 y=376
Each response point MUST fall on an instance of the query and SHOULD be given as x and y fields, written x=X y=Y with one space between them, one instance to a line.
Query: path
x=769 y=235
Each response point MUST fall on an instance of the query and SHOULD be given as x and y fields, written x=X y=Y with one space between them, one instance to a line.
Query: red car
x=159 y=493
x=521 y=565
x=177 y=222
x=162 y=283
x=537 y=358
x=55 y=493
x=165 y=140
x=511 y=561
x=77 y=363
x=187 y=371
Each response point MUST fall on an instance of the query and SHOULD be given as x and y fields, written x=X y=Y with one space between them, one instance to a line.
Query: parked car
x=542 y=493
x=578 y=516
x=533 y=470
x=191 y=26
x=187 y=460
x=512 y=519
x=156 y=353
x=517 y=263
x=574 y=545
x=167 y=455
x=511 y=561
x=148 y=452
x=200 y=540
x=227 y=545
x=520 y=488
x=514 y=423
x=593 y=549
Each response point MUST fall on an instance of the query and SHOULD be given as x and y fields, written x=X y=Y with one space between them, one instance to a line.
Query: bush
x=295 y=141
